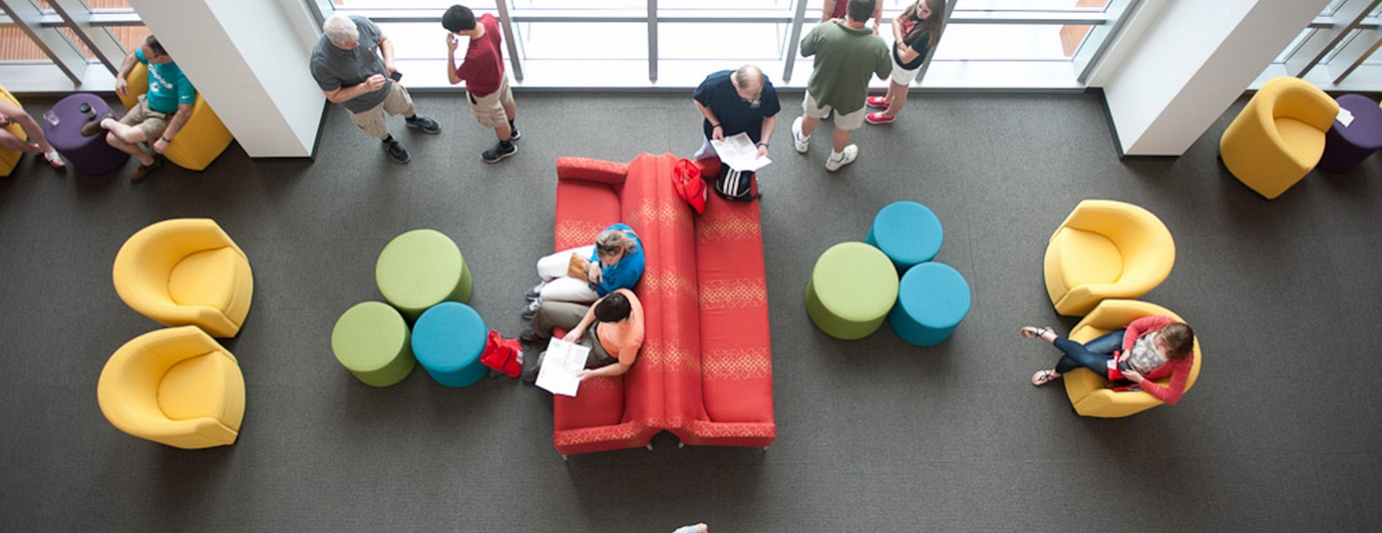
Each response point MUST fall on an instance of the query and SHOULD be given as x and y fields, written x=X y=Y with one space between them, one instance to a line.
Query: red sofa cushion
x=736 y=356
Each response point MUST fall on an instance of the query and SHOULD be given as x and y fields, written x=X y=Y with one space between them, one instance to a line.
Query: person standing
x=487 y=88
x=915 y=32
x=353 y=64
x=170 y=95
x=846 y=55
x=734 y=102
x=836 y=9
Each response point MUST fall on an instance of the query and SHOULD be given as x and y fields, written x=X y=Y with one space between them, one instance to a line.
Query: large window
x=627 y=43
x=1337 y=51
x=642 y=43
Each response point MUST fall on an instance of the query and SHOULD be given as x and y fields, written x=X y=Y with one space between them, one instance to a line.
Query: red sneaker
x=878 y=118
x=876 y=102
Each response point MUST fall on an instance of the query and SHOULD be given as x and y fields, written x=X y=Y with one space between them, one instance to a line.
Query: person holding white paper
x=734 y=102
x=612 y=329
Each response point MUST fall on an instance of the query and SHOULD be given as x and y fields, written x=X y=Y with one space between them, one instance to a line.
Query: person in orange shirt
x=612 y=328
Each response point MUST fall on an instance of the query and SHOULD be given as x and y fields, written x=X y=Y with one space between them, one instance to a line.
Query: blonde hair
x=611 y=240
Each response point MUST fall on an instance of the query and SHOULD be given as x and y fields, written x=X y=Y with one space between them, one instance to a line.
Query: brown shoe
x=144 y=170
x=94 y=127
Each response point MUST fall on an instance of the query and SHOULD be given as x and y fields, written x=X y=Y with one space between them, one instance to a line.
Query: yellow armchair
x=10 y=158
x=1279 y=136
x=186 y=271
x=1089 y=393
x=174 y=386
x=202 y=138
x=1106 y=249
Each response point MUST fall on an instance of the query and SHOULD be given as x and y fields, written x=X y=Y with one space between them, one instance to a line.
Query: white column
x=1180 y=63
x=248 y=58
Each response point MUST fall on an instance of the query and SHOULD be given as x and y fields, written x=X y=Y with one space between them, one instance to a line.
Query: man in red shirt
x=483 y=73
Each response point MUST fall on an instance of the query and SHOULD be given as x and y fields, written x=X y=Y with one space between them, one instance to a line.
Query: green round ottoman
x=852 y=288
x=371 y=340
x=420 y=269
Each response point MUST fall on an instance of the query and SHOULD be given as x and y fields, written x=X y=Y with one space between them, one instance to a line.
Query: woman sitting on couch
x=580 y=275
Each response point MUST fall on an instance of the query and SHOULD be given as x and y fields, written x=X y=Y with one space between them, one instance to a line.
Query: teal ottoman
x=371 y=341
x=420 y=269
x=908 y=232
x=448 y=340
x=932 y=300
x=851 y=290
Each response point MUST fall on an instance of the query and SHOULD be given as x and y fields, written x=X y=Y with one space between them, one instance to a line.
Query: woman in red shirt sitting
x=1152 y=347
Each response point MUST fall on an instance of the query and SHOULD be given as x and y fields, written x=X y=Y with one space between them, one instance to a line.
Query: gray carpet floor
x=1281 y=433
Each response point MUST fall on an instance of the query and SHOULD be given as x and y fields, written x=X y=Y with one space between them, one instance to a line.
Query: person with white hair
x=353 y=63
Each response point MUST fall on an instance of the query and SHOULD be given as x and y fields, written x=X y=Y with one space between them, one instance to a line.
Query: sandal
x=54 y=159
x=1031 y=332
x=1042 y=377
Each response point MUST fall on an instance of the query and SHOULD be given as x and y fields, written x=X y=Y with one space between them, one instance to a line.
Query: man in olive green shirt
x=847 y=53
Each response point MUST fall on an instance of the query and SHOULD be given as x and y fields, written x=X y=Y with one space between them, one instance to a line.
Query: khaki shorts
x=398 y=102
x=146 y=120
x=489 y=109
x=848 y=122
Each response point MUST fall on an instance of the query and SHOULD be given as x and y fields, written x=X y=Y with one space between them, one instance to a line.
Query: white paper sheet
x=740 y=153
x=560 y=366
x=1345 y=117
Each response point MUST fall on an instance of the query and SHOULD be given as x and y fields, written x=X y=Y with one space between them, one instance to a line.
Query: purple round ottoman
x=1347 y=146
x=88 y=155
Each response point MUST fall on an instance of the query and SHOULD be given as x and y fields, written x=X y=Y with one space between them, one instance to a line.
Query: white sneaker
x=846 y=157
x=801 y=144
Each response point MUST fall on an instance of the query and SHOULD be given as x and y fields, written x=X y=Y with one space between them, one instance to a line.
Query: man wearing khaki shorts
x=487 y=89
x=847 y=53
x=347 y=65
x=160 y=113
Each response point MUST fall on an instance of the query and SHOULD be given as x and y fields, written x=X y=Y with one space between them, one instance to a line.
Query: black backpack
x=735 y=185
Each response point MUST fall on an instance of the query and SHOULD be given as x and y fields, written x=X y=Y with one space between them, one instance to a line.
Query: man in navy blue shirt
x=734 y=102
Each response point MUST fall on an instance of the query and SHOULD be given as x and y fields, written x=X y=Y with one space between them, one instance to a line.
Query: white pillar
x=248 y=58
x=1180 y=63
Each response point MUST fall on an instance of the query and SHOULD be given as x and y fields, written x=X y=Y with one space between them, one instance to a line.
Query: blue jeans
x=1093 y=355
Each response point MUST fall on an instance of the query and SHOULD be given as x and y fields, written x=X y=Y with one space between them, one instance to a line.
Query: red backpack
x=686 y=180
x=504 y=355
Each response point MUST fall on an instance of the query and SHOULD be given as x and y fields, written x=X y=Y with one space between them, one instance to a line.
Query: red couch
x=705 y=370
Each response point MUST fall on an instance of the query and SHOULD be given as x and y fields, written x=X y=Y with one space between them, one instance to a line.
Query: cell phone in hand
x=396 y=76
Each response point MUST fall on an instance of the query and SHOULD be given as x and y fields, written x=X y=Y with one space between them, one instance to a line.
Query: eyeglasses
x=611 y=250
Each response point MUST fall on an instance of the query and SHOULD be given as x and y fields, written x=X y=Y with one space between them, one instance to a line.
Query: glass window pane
x=15 y=45
x=558 y=40
x=130 y=37
x=739 y=42
x=1031 y=5
x=1001 y=42
x=418 y=40
x=77 y=43
x=112 y=5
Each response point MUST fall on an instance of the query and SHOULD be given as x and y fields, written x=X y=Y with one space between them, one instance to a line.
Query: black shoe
x=530 y=310
x=528 y=336
x=514 y=134
x=397 y=152
x=425 y=124
x=499 y=153
x=535 y=292
x=144 y=170
x=530 y=375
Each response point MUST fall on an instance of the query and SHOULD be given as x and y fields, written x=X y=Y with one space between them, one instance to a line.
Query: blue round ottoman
x=447 y=341
x=908 y=232
x=932 y=299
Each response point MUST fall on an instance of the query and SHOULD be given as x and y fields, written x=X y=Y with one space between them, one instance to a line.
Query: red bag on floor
x=504 y=355
x=686 y=180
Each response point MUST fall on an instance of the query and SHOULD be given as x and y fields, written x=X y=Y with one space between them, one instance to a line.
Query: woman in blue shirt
x=614 y=262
